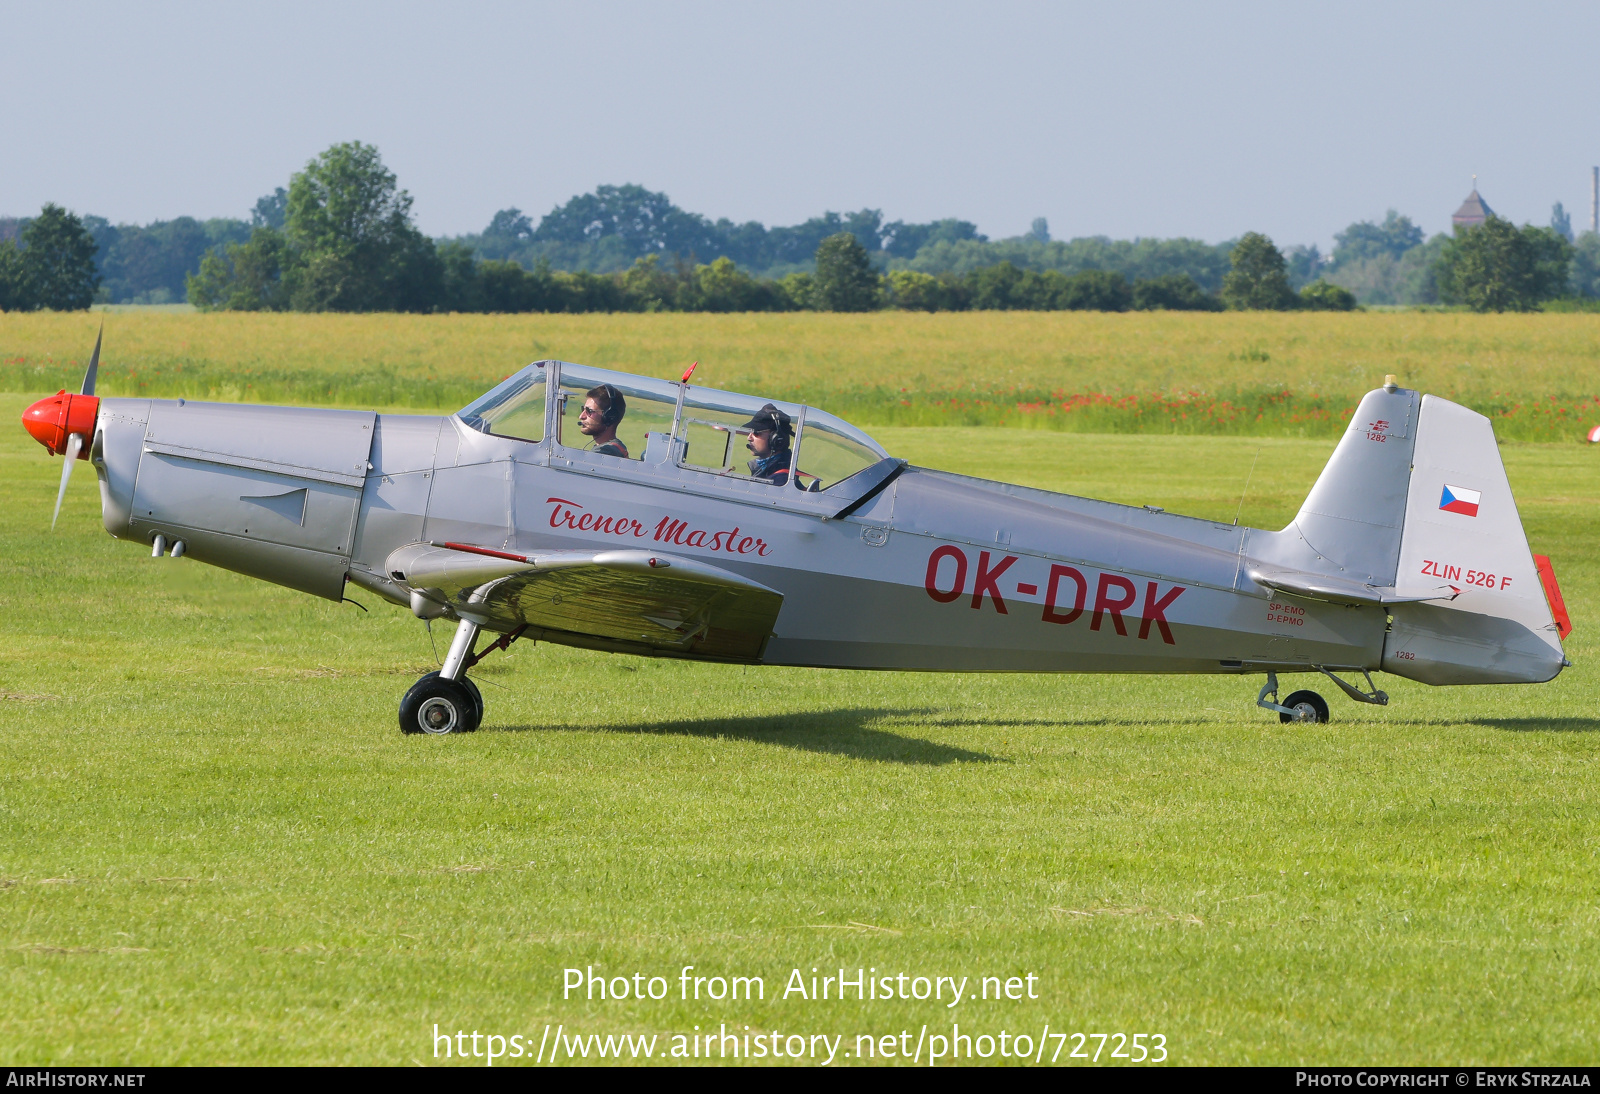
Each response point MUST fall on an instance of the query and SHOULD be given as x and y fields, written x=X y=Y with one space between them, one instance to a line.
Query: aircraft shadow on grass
x=844 y=732
x=1541 y=725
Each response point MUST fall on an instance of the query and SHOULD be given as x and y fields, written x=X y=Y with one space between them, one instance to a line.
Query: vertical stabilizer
x=1354 y=515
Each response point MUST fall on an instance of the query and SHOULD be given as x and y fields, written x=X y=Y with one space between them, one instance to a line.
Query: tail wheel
x=437 y=705
x=1308 y=706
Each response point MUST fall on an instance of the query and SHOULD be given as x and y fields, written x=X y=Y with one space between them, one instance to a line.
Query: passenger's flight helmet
x=771 y=418
x=612 y=404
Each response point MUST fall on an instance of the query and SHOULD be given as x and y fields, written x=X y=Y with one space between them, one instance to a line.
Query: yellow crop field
x=1232 y=372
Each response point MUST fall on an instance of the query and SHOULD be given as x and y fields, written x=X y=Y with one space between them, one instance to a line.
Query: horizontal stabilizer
x=1340 y=590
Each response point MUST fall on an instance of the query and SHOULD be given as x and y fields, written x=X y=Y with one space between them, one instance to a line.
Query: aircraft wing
x=1341 y=590
x=635 y=598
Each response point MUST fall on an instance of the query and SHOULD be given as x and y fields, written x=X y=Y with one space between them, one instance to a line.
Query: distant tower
x=1594 y=199
x=1474 y=211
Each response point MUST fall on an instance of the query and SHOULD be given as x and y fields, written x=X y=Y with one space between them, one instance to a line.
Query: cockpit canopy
x=683 y=425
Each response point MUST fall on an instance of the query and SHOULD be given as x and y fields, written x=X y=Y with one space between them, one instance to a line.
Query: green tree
x=13 y=293
x=460 y=287
x=1385 y=279
x=1495 y=266
x=723 y=287
x=845 y=280
x=271 y=210
x=1366 y=240
x=1561 y=222
x=506 y=287
x=648 y=287
x=151 y=264
x=1585 y=275
x=1093 y=290
x=997 y=287
x=250 y=276
x=1258 y=280
x=358 y=250
x=1174 y=292
x=1322 y=295
x=56 y=268
x=904 y=240
x=909 y=290
x=1136 y=260
x=1304 y=265
x=801 y=289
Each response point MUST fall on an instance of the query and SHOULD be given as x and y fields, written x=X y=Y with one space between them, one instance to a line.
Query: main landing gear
x=447 y=701
x=1308 y=706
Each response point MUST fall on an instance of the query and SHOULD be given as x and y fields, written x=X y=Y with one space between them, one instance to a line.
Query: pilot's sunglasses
x=590 y=413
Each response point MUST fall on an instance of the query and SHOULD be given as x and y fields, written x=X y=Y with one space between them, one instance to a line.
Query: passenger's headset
x=782 y=434
x=615 y=407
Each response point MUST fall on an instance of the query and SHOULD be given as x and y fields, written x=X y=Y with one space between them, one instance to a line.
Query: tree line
x=341 y=237
x=1495 y=266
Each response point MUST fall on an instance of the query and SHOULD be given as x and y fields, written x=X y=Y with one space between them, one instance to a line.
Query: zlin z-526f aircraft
x=615 y=512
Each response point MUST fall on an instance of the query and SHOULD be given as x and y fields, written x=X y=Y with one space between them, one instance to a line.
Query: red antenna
x=688 y=372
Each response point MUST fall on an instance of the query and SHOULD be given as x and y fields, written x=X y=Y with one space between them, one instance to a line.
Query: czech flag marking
x=1458 y=499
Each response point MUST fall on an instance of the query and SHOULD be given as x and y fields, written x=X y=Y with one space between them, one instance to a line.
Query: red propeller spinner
x=65 y=423
x=56 y=417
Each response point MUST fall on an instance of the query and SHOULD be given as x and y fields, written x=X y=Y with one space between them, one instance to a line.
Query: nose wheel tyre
x=1308 y=706
x=437 y=705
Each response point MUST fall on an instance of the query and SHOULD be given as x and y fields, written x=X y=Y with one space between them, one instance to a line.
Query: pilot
x=770 y=436
x=603 y=408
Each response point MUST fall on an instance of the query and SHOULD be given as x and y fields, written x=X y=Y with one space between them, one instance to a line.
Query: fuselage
x=878 y=565
x=935 y=572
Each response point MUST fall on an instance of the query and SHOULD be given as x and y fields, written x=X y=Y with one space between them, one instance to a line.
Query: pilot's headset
x=616 y=406
x=782 y=429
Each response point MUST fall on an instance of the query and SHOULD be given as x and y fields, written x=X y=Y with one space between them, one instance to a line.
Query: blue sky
x=1130 y=119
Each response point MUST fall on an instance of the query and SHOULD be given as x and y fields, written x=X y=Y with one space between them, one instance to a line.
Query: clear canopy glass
x=711 y=434
x=512 y=408
x=832 y=450
x=714 y=431
x=648 y=407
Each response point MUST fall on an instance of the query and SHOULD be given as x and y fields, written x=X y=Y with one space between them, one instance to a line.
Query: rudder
x=1461 y=528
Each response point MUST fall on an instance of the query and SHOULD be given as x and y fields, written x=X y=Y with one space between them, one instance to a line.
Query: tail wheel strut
x=1300 y=706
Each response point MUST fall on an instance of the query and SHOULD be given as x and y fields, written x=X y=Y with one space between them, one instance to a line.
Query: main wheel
x=477 y=698
x=437 y=705
x=1308 y=706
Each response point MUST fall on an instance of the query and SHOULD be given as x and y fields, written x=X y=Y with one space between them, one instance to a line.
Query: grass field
x=1266 y=374
x=219 y=848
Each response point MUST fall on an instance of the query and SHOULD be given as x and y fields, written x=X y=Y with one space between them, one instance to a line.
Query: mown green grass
x=219 y=849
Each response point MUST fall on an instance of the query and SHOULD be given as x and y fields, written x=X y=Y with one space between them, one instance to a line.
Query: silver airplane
x=616 y=512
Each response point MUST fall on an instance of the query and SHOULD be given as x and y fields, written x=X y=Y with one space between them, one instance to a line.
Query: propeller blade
x=94 y=362
x=74 y=446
